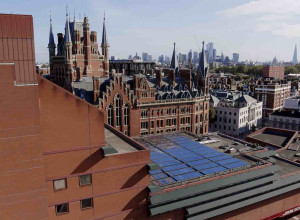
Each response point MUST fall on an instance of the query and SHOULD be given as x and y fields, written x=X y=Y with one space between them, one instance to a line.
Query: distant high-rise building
x=195 y=55
x=184 y=59
x=222 y=57
x=161 y=59
x=145 y=56
x=150 y=58
x=180 y=58
x=130 y=57
x=190 y=55
x=214 y=54
x=114 y=58
x=235 y=57
x=167 y=59
x=137 y=57
x=295 y=58
x=210 y=50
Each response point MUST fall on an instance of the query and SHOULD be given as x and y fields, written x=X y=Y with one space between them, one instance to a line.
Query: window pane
x=86 y=203
x=85 y=180
x=59 y=184
x=62 y=208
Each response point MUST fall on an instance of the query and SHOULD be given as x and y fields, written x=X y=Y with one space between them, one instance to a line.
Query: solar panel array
x=181 y=159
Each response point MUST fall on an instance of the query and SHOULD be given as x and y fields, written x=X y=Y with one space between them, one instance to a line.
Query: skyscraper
x=295 y=58
x=210 y=50
x=145 y=56
x=190 y=55
x=235 y=57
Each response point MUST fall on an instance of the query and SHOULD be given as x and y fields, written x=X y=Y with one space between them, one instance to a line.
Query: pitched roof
x=246 y=98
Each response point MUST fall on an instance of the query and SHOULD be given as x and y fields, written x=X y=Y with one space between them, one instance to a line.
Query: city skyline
x=233 y=26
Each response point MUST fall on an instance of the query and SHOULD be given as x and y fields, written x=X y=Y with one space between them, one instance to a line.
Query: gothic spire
x=104 y=38
x=174 y=62
x=67 y=28
x=51 y=36
x=203 y=66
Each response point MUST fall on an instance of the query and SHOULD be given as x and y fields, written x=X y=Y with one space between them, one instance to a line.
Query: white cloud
x=266 y=7
x=274 y=16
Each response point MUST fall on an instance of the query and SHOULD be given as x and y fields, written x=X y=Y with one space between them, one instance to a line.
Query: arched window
x=110 y=115
x=118 y=110
x=126 y=114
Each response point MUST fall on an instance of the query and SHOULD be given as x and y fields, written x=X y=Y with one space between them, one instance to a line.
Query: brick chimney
x=186 y=74
x=159 y=77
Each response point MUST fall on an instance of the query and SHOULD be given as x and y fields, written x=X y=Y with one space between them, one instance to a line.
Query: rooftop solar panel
x=159 y=176
x=221 y=157
x=198 y=162
x=235 y=165
x=175 y=167
x=169 y=163
x=183 y=159
x=187 y=176
x=188 y=159
x=228 y=161
x=206 y=166
x=155 y=171
x=213 y=170
x=181 y=171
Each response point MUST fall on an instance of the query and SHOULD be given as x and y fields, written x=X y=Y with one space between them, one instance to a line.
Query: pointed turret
x=105 y=46
x=51 y=45
x=67 y=29
x=203 y=66
x=104 y=38
x=174 y=61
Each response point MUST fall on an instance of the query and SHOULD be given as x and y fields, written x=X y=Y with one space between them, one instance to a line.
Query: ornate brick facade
x=171 y=100
x=77 y=54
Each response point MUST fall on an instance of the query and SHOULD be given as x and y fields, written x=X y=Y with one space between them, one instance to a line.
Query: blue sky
x=258 y=30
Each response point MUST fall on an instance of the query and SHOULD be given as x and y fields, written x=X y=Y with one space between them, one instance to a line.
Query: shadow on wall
x=135 y=178
x=135 y=202
x=89 y=162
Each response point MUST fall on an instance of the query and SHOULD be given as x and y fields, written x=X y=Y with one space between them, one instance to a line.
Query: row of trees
x=253 y=70
x=241 y=69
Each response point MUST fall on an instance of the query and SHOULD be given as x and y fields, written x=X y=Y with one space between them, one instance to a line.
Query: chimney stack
x=159 y=77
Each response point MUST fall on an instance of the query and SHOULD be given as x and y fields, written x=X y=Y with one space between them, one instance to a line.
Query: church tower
x=105 y=46
x=174 y=62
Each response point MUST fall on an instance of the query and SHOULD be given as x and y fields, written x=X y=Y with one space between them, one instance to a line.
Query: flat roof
x=112 y=140
x=181 y=158
x=273 y=137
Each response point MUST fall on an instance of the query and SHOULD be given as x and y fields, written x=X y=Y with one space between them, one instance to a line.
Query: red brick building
x=76 y=54
x=276 y=72
x=272 y=94
x=59 y=161
x=171 y=100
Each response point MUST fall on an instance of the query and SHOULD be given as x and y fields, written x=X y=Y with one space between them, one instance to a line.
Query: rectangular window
x=152 y=124
x=157 y=123
x=62 y=208
x=85 y=180
x=86 y=203
x=60 y=184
